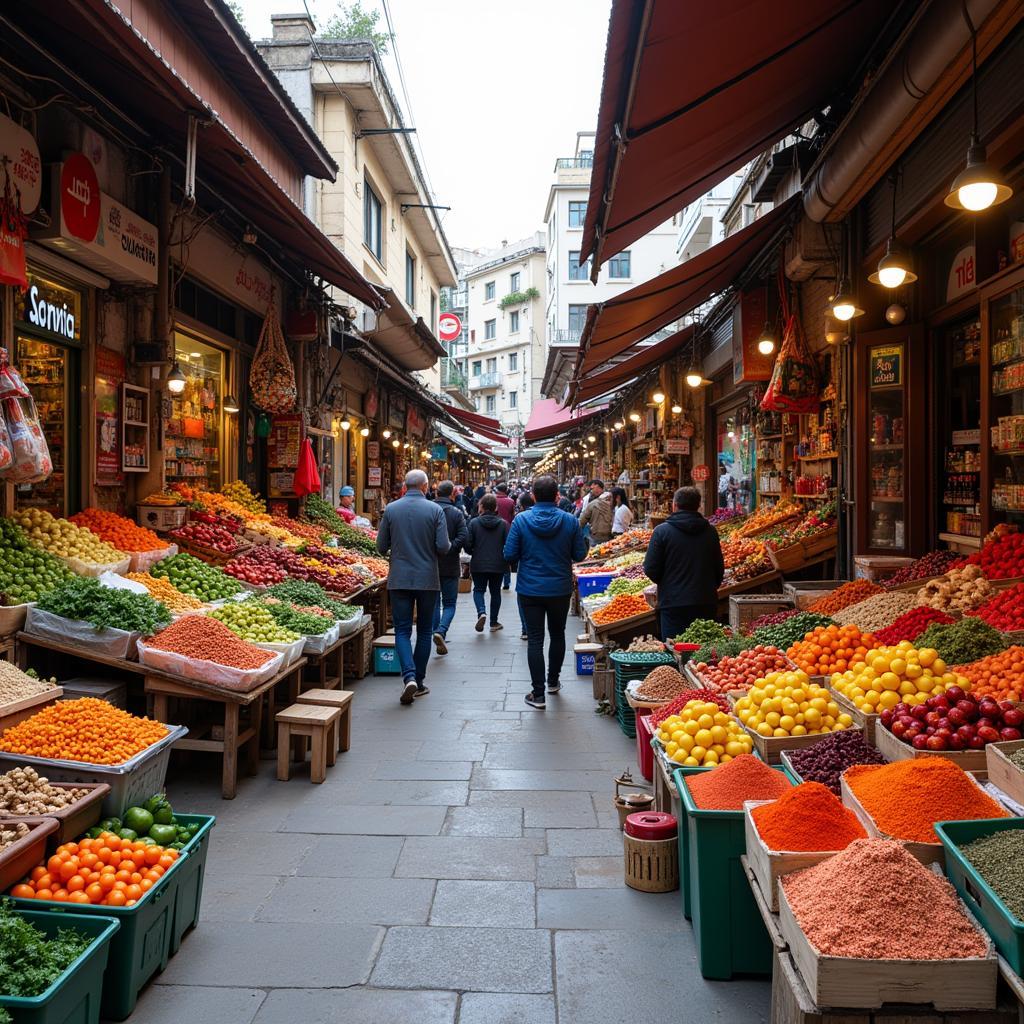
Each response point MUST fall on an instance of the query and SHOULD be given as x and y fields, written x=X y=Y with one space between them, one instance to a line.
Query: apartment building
x=570 y=290
x=454 y=382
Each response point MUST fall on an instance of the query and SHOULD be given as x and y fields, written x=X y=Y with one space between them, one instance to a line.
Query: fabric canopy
x=405 y=337
x=483 y=425
x=459 y=439
x=549 y=418
x=693 y=91
x=614 y=326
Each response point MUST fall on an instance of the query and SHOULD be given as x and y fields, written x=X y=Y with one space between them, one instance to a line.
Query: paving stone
x=466 y=959
x=609 y=908
x=541 y=810
x=424 y=770
x=256 y=853
x=351 y=856
x=172 y=1004
x=502 y=822
x=584 y=842
x=539 y=781
x=276 y=955
x=407 y=792
x=450 y=750
x=385 y=901
x=599 y=872
x=363 y=820
x=356 y=1006
x=229 y=897
x=496 y=1008
x=555 y=873
x=546 y=757
x=474 y=904
x=467 y=857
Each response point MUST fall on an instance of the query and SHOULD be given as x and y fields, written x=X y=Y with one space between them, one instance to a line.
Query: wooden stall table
x=326 y=671
x=374 y=601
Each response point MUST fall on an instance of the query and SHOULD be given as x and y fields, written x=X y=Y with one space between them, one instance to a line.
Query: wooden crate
x=787 y=559
x=832 y=981
x=8 y=646
x=820 y=543
x=770 y=748
x=1002 y=772
x=867 y=721
x=358 y=651
x=806 y=592
x=210 y=555
x=750 y=584
x=895 y=749
x=744 y=608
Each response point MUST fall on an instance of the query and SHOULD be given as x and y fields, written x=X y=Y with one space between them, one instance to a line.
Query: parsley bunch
x=30 y=962
x=86 y=599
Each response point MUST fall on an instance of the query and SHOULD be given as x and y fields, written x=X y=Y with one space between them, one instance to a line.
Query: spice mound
x=874 y=901
x=805 y=818
x=24 y=791
x=906 y=798
x=999 y=859
x=662 y=683
x=743 y=778
x=826 y=760
x=196 y=636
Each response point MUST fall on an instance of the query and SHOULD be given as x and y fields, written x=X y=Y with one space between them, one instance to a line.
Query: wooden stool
x=340 y=699
x=318 y=723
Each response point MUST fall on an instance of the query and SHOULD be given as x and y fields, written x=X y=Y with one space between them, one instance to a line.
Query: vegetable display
x=166 y=593
x=729 y=787
x=877 y=611
x=625 y=586
x=631 y=538
x=961 y=642
x=826 y=760
x=10 y=834
x=715 y=651
x=842 y=597
x=954 y=720
x=1004 y=609
x=910 y=625
x=194 y=577
x=86 y=729
x=122 y=533
x=153 y=823
x=307 y=593
x=206 y=639
x=23 y=791
x=252 y=621
x=786 y=633
x=624 y=606
x=935 y=563
x=789 y=704
x=808 y=817
x=299 y=619
x=207 y=535
x=703 y=735
x=771 y=619
x=702 y=631
x=999 y=859
x=29 y=961
x=15 y=684
x=740 y=671
x=1000 y=676
x=65 y=539
x=87 y=600
x=322 y=513
x=1002 y=555
x=960 y=590
x=829 y=649
x=26 y=570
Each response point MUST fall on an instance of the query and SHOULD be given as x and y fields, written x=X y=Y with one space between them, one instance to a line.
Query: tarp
x=485 y=425
x=459 y=439
x=549 y=418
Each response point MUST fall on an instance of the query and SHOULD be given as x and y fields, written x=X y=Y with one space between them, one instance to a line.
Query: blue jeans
x=539 y=611
x=482 y=582
x=449 y=598
x=414 y=663
x=522 y=617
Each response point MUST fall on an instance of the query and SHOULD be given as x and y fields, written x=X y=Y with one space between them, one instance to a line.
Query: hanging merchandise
x=272 y=377
x=11 y=384
x=794 y=385
x=307 y=476
x=13 y=230
x=32 y=461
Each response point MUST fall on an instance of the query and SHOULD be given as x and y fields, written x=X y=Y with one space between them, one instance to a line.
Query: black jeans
x=482 y=582
x=675 y=620
x=537 y=610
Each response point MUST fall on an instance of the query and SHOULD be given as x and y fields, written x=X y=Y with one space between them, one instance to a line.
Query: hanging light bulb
x=676 y=409
x=731 y=435
x=694 y=378
x=346 y=424
x=386 y=434
x=395 y=443
x=844 y=305
x=591 y=438
x=894 y=268
x=176 y=379
x=766 y=343
x=364 y=432
x=634 y=417
x=619 y=424
x=231 y=404
x=658 y=397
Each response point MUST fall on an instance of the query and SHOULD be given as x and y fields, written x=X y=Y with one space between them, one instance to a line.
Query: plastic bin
x=18 y=859
x=586 y=653
x=1006 y=930
x=731 y=936
x=142 y=946
x=110 y=690
x=129 y=783
x=385 y=657
x=594 y=583
x=74 y=998
x=81 y=815
x=190 y=877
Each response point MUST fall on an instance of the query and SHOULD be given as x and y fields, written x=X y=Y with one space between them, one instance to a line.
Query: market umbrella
x=307 y=476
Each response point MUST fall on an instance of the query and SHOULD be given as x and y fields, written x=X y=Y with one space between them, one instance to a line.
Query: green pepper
x=147 y=841
x=176 y=846
x=95 y=832
x=163 y=834
x=129 y=834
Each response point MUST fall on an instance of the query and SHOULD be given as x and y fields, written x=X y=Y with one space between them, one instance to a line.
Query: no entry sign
x=449 y=327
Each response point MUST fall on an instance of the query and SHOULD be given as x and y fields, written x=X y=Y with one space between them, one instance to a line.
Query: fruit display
x=626 y=586
x=629 y=559
x=624 y=606
x=338 y=579
x=935 y=563
x=771 y=619
x=206 y=639
x=166 y=593
x=637 y=538
x=877 y=611
x=1004 y=609
x=999 y=676
x=736 y=550
x=888 y=676
x=793 y=628
x=954 y=720
x=1001 y=557
x=195 y=578
x=64 y=539
x=789 y=704
x=829 y=649
x=259 y=572
x=808 y=817
x=32 y=961
x=842 y=597
x=23 y=791
x=964 y=641
x=826 y=760
x=206 y=535
x=254 y=622
x=756 y=563
x=740 y=671
x=724 y=516
x=107 y=871
x=677 y=703
x=168 y=498
x=661 y=683
x=219 y=506
x=769 y=515
x=87 y=600
x=15 y=684
x=153 y=822
x=26 y=570
x=703 y=735
x=275 y=534
x=910 y=625
x=342 y=557
x=122 y=533
x=321 y=513
x=305 y=531
x=960 y=590
x=592 y=570
x=239 y=493
x=86 y=729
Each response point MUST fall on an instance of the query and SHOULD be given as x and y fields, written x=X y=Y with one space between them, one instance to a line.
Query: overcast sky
x=498 y=91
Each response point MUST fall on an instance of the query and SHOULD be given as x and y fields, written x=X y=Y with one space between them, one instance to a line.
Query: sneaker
x=554 y=687
x=505 y=588
x=439 y=645
x=422 y=690
x=535 y=702
x=481 y=621
x=495 y=626
x=408 y=692
x=523 y=636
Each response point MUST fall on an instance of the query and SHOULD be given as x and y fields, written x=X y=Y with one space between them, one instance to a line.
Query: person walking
x=414 y=532
x=622 y=514
x=598 y=514
x=448 y=566
x=545 y=541
x=684 y=558
x=525 y=502
x=506 y=509
x=486 y=544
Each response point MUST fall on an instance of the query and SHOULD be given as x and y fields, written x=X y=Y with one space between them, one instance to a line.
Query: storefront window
x=1006 y=426
x=886 y=448
x=193 y=426
x=735 y=484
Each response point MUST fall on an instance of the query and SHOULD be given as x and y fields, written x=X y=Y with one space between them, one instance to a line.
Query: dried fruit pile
x=935 y=563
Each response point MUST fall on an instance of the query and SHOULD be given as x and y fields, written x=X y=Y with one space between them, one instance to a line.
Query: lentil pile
x=826 y=760
x=906 y=798
x=15 y=684
x=999 y=859
x=1017 y=758
x=663 y=683
x=842 y=597
x=877 y=611
x=197 y=636
x=24 y=791
x=848 y=905
x=806 y=818
x=743 y=778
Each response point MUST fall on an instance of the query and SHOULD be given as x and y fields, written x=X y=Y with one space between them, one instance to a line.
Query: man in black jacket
x=685 y=559
x=448 y=566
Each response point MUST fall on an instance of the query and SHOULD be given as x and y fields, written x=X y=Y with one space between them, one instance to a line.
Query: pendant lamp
x=894 y=268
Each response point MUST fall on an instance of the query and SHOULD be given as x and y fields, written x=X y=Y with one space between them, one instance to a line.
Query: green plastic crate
x=1006 y=930
x=731 y=937
x=684 y=845
x=190 y=877
x=140 y=949
x=74 y=998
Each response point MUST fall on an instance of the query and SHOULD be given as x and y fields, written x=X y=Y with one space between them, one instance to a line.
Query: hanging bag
x=794 y=383
x=272 y=376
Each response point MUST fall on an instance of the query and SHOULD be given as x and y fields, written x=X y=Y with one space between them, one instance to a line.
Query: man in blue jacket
x=545 y=541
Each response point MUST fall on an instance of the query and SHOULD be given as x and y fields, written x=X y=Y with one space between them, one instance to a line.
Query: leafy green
x=86 y=599
x=305 y=592
x=29 y=961
x=305 y=623
x=963 y=642
x=729 y=647
x=320 y=512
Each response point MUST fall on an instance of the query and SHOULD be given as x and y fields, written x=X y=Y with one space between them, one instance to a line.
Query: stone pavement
x=460 y=865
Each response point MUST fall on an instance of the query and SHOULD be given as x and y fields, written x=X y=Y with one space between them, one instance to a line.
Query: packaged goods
x=826 y=761
x=744 y=778
x=808 y=817
x=829 y=649
x=848 y=594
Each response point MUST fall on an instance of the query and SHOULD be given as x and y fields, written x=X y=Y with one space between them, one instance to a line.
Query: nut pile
x=663 y=683
x=960 y=590
x=876 y=612
x=15 y=684
x=24 y=791
x=646 y=643
x=10 y=834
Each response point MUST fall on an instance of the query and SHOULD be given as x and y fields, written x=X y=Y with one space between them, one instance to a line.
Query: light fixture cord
x=974 y=65
x=893 y=178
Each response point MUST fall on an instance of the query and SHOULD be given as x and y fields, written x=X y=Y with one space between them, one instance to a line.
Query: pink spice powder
x=874 y=901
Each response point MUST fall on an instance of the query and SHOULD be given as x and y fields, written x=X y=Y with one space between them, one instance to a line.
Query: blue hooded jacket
x=545 y=541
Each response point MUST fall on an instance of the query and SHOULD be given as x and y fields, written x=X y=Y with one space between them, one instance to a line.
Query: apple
x=898 y=728
x=957 y=717
x=956 y=742
x=1007 y=733
x=887 y=717
x=976 y=743
x=954 y=694
x=1013 y=717
x=937 y=743
x=933 y=718
x=920 y=742
x=988 y=734
x=918 y=711
x=968 y=708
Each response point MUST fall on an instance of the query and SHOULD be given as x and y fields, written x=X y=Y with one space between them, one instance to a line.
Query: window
x=513 y=399
x=492 y=364
x=477 y=367
x=513 y=281
x=513 y=322
x=373 y=219
x=513 y=362
x=476 y=403
x=489 y=291
x=490 y=330
x=577 y=318
x=578 y=272
x=618 y=266
x=489 y=403
x=577 y=213
x=433 y=310
x=410 y=279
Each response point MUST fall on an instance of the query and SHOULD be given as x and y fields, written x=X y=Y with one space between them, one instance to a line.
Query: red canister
x=653 y=826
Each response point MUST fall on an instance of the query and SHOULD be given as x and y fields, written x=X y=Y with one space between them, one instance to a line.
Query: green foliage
x=87 y=600
x=238 y=11
x=29 y=962
x=519 y=298
x=351 y=21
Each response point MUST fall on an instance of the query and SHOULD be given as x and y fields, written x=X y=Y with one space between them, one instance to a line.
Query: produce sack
x=241 y=680
x=794 y=385
x=80 y=568
x=6 y=450
x=290 y=652
x=143 y=561
x=32 y=461
x=272 y=376
x=115 y=582
x=11 y=384
x=114 y=643
x=346 y=627
x=317 y=643
x=307 y=476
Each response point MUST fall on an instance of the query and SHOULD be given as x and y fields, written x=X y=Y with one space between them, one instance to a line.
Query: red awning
x=617 y=325
x=483 y=425
x=549 y=418
x=693 y=91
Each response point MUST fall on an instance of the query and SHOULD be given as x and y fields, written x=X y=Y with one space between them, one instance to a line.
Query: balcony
x=485 y=380
x=564 y=163
x=573 y=170
x=564 y=336
x=452 y=377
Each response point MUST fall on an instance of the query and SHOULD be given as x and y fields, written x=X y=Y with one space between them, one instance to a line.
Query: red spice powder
x=875 y=901
x=743 y=778
x=807 y=817
x=906 y=798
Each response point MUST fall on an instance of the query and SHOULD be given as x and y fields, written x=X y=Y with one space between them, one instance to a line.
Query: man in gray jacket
x=414 y=531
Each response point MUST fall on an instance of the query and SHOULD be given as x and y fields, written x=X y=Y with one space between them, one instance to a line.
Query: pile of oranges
x=117 y=530
x=107 y=871
x=623 y=606
x=829 y=649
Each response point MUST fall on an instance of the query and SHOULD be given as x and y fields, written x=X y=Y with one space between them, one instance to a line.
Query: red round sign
x=449 y=327
x=80 y=197
x=700 y=473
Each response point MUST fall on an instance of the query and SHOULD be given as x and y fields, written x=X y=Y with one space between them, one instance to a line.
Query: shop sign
x=677 y=446
x=371 y=405
x=373 y=451
x=20 y=154
x=284 y=442
x=748 y=320
x=79 y=197
x=886 y=366
x=449 y=327
x=962 y=274
x=970 y=436
x=110 y=374
x=373 y=476
x=700 y=473
x=396 y=412
x=439 y=453
x=50 y=307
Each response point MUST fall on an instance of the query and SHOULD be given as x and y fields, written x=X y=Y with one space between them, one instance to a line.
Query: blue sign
x=439 y=452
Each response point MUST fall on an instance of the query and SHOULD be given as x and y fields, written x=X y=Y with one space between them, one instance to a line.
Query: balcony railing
x=565 y=336
x=485 y=380
x=452 y=376
x=568 y=163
